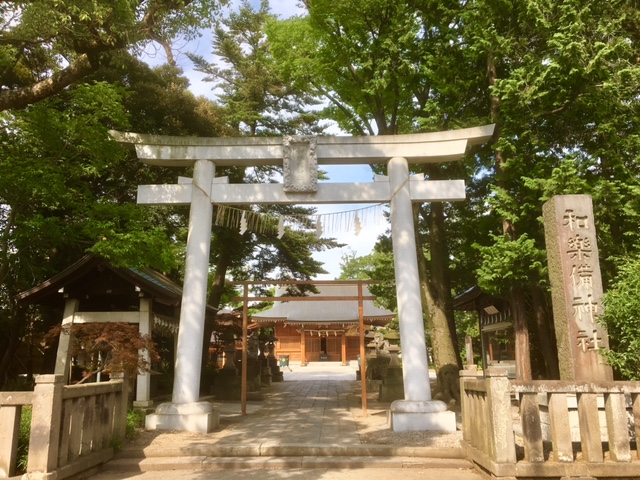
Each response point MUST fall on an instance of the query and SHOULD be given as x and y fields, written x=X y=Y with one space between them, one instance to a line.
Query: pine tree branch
x=21 y=97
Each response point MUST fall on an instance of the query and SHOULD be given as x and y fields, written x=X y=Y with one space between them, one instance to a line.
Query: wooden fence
x=73 y=428
x=539 y=429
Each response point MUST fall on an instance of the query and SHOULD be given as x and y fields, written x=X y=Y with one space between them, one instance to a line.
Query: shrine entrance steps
x=312 y=420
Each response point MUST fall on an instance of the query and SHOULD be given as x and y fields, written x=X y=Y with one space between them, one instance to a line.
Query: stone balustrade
x=73 y=428
x=525 y=429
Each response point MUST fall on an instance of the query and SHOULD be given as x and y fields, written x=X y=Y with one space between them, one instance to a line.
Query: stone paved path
x=305 y=412
x=303 y=428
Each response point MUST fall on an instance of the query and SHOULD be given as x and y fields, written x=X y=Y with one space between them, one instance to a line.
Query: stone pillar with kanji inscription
x=576 y=287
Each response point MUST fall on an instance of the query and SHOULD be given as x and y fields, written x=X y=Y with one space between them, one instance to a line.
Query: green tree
x=257 y=100
x=378 y=265
x=50 y=154
x=352 y=55
x=67 y=188
x=378 y=66
x=47 y=45
x=620 y=317
x=564 y=110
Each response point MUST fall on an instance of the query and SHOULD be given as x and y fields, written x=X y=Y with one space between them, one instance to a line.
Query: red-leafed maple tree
x=108 y=348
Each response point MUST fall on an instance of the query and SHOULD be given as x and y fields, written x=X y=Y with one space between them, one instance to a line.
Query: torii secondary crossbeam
x=300 y=157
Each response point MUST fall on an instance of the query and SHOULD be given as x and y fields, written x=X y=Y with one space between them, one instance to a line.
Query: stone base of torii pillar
x=407 y=415
x=187 y=417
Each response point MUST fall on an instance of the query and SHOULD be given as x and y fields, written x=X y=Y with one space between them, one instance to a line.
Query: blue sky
x=362 y=243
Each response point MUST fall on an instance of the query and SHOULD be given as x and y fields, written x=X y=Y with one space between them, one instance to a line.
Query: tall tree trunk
x=518 y=302
x=546 y=334
x=440 y=279
x=521 y=329
x=12 y=346
x=215 y=296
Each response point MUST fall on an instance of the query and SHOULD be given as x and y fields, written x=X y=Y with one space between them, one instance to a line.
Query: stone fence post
x=503 y=448
x=122 y=406
x=45 y=425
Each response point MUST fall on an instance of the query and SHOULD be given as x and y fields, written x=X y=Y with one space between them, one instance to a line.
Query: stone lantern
x=393 y=353
x=229 y=349
x=392 y=337
x=272 y=362
x=392 y=385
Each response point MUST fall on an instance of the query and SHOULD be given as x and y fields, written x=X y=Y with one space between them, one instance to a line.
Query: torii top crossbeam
x=300 y=157
x=170 y=151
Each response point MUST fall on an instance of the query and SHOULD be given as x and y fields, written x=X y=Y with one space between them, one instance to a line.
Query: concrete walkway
x=309 y=422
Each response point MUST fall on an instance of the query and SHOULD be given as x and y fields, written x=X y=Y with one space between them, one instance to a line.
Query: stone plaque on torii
x=300 y=156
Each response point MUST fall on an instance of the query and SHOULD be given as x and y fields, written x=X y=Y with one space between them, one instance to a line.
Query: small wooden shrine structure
x=92 y=290
x=496 y=327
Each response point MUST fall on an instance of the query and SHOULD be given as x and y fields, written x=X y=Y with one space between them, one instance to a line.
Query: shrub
x=23 y=438
x=135 y=421
x=622 y=307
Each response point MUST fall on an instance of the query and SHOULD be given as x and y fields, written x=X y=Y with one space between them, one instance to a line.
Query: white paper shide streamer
x=280 y=228
x=357 y=224
x=320 y=224
x=243 y=223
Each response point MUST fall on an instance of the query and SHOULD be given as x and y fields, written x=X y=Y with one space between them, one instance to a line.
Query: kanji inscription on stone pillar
x=576 y=287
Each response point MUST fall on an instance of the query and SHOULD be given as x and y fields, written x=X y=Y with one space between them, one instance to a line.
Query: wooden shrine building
x=312 y=331
x=496 y=327
x=92 y=290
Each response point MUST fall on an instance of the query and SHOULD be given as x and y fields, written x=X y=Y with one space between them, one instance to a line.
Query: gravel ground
x=373 y=429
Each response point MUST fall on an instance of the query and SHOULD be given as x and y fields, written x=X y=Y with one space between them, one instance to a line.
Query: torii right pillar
x=417 y=411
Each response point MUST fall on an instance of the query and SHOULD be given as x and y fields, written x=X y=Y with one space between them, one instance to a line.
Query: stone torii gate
x=300 y=157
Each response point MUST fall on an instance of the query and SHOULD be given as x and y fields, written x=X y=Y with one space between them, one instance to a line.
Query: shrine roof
x=490 y=309
x=329 y=312
x=83 y=277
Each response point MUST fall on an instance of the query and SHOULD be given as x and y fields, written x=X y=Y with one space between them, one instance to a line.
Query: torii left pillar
x=185 y=412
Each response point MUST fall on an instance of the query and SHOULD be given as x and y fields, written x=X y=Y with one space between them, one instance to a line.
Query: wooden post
x=303 y=348
x=143 y=380
x=363 y=357
x=245 y=325
x=469 y=350
x=344 y=349
x=62 y=357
